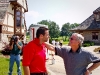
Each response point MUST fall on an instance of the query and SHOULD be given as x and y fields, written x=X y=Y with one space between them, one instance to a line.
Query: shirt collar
x=37 y=41
x=77 y=51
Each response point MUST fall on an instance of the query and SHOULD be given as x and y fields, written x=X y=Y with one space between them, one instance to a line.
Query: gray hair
x=79 y=37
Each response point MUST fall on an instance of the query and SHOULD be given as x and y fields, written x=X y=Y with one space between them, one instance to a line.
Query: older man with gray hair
x=76 y=59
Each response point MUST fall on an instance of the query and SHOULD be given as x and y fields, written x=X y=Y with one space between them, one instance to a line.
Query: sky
x=60 y=11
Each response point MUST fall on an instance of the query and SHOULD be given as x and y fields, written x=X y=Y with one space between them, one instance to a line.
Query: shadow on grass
x=7 y=59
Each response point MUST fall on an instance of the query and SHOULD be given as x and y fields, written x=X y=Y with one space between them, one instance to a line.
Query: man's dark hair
x=41 y=30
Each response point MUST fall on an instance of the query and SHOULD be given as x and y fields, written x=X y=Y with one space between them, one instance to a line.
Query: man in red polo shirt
x=34 y=54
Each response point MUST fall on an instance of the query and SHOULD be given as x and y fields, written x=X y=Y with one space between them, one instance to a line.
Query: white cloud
x=34 y=14
x=64 y=17
x=61 y=18
x=32 y=17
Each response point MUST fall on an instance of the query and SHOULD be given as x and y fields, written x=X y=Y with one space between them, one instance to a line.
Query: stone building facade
x=90 y=28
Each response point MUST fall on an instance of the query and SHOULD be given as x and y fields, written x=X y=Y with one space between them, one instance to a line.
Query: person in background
x=53 y=42
x=34 y=54
x=15 y=46
x=76 y=59
x=57 y=42
x=60 y=43
x=52 y=53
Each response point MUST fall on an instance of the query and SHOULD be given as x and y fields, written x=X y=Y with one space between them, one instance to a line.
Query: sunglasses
x=72 y=39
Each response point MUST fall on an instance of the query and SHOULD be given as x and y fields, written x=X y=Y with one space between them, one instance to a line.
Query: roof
x=97 y=10
x=90 y=23
x=3 y=8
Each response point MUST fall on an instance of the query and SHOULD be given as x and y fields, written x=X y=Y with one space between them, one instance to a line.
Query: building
x=90 y=28
x=12 y=19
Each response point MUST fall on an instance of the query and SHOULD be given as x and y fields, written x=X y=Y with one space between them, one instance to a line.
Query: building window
x=97 y=17
x=19 y=18
x=18 y=21
x=18 y=13
x=94 y=35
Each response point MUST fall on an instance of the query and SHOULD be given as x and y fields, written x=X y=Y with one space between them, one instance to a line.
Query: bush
x=92 y=43
x=5 y=50
x=88 y=43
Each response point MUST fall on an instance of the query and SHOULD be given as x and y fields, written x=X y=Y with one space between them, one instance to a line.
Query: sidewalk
x=58 y=67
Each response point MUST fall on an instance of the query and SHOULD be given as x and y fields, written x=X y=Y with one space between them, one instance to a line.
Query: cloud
x=61 y=18
x=32 y=17
x=70 y=16
x=58 y=16
x=34 y=14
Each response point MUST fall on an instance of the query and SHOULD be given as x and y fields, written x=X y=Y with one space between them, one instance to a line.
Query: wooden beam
x=7 y=32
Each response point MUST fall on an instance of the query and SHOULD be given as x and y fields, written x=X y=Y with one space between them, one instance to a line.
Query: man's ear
x=41 y=36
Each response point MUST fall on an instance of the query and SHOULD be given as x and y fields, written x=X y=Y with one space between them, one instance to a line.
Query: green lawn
x=63 y=38
x=4 y=66
x=65 y=42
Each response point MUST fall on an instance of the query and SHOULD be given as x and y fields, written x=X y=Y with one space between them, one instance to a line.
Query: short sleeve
x=20 y=43
x=92 y=58
x=28 y=54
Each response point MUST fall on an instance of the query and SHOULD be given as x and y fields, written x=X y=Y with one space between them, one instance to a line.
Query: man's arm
x=91 y=68
x=26 y=70
x=11 y=46
x=20 y=47
x=50 y=46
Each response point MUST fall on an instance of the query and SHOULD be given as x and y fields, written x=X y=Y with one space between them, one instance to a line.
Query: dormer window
x=97 y=16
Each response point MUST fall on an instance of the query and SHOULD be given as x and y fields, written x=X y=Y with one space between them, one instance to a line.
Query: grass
x=4 y=66
x=65 y=42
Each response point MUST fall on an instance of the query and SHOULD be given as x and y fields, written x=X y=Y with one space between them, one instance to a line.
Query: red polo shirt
x=34 y=56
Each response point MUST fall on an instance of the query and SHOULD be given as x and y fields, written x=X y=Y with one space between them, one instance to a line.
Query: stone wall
x=88 y=36
x=4 y=38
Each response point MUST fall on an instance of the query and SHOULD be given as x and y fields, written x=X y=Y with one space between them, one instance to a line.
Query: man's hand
x=91 y=68
x=87 y=72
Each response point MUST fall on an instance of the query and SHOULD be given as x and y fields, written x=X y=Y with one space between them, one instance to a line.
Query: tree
x=65 y=30
x=30 y=26
x=73 y=25
x=53 y=28
x=45 y=22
